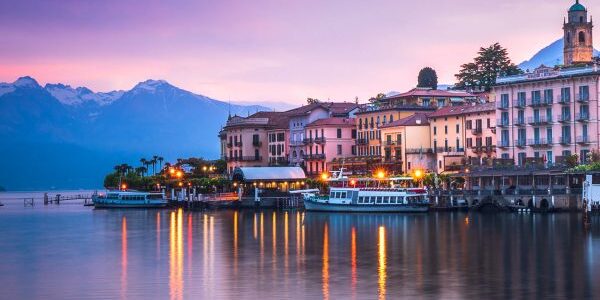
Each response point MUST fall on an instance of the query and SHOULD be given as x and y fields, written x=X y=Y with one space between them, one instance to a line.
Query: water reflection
x=325 y=262
x=176 y=255
x=123 y=257
x=381 y=269
x=353 y=275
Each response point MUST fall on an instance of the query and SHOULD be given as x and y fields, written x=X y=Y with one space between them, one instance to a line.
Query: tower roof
x=577 y=7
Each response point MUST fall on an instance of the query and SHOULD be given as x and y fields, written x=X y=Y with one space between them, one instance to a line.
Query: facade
x=461 y=134
x=307 y=114
x=328 y=140
x=551 y=113
x=404 y=147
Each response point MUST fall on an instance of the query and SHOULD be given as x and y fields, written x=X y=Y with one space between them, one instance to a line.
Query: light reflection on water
x=222 y=254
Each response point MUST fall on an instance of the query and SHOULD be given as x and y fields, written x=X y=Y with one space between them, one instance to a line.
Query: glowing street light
x=324 y=176
x=171 y=170
x=418 y=174
x=179 y=174
x=124 y=186
x=380 y=174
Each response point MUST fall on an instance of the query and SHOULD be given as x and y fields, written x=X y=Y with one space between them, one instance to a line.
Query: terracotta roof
x=421 y=92
x=336 y=108
x=417 y=119
x=333 y=122
x=463 y=109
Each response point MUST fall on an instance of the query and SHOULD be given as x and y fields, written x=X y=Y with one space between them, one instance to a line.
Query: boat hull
x=310 y=205
x=129 y=204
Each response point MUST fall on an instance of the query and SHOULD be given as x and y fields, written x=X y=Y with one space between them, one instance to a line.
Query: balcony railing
x=540 y=102
x=583 y=117
x=244 y=158
x=361 y=141
x=502 y=122
x=539 y=142
x=520 y=143
x=582 y=97
x=565 y=140
x=419 y=150
x=296 y=143
x=319 y=140
x=238 y=144
x=448 y=149
x=390 y=143
x=583 y=139
x=519 y=103
x=314 y=156
x=453 y=168
x=539 y=120
x=519 y=121
x=229 y=145
x=564 y=100
x=256 y=143
x=279 y=161
x=502 y=105
x=476 y=131
x=307 y=141
x=563 y=118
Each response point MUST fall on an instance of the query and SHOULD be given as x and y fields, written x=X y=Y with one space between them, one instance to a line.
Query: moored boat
x=129 y=199
x=369 y=200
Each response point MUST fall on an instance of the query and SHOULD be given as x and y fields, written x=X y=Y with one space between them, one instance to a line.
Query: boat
x=129 y=199
x=394 y=196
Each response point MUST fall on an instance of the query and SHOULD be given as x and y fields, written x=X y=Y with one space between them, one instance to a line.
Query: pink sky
x=274 y=51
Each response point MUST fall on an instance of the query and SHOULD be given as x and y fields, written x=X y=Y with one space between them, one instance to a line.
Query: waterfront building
x=463 y=134
x=406 y=145
x=371 y=117
x=307 y=114
x=551 y=113
x=326 y=141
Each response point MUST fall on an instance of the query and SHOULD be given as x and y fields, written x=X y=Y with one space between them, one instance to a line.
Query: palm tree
x=153 y=161
x=160 y=161
x=144 y=163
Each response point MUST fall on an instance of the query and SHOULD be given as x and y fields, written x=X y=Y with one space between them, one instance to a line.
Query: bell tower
x=578 y=36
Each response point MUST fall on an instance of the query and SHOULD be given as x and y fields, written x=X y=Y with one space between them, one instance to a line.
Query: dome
x=577 y=7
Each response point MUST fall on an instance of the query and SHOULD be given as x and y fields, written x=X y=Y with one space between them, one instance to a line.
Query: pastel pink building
x=326 y=141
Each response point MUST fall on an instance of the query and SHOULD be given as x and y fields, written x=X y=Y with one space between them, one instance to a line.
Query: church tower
x=578 y=36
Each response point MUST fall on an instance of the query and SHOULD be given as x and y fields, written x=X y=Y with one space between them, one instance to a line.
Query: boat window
x=369 y=199
x=386 y=199
x=344 y=195
x=379 y=199
x=361 y=199
x=393 y=199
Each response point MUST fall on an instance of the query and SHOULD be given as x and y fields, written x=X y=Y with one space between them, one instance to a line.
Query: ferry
x=129 y=199
x=392 y=197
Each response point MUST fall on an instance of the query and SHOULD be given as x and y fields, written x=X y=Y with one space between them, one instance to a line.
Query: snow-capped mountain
x=77 y=96
x=73 y=136
x=550 y=55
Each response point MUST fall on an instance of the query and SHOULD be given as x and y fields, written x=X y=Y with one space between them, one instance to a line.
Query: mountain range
x=57 y=136
x=550 y=56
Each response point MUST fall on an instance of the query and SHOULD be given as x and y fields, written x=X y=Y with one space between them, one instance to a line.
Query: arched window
x=391 y=118
x=568 y=41
x=582 y=37
x=294 y=154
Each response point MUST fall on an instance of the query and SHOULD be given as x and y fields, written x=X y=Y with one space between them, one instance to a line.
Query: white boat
x=129 y=199
x=394 y=196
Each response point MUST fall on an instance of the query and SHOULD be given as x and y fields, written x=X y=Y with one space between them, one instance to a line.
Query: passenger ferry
x=393 y=197
x=129 y=199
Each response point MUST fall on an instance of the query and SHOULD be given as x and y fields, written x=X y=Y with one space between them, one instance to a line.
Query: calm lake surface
x=68 y=251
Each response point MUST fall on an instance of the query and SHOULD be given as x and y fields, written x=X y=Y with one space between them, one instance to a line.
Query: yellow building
x=406 y=145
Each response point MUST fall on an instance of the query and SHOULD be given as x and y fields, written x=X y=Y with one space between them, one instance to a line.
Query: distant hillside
x=62 y=137
x=550 y=55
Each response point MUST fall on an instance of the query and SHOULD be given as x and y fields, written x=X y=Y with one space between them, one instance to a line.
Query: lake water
x=69 y=251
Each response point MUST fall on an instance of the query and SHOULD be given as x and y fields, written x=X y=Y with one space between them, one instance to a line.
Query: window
x=565 y=94
x=339 y=149
x=470 y=142
x=457 y=128
x=434 y=130
x=584 y=93
x=353 y=133
x=489 y=124
x=469 y=125
x=339 y=133
x=446 y=129
x=581 y=37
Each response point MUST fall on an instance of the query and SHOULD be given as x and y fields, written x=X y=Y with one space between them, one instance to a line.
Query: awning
x=249 y=174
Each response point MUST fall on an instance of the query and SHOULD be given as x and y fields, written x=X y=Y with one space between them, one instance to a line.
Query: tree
x=490 y=63
x=427 y=78
x=160 y=161
x=312 y=100
x=377 y=98
x=144 y=163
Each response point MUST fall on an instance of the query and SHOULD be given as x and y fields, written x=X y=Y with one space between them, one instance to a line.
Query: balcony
x=319 y=140
x=279 y=161
x=238 y=144
x=583 y=98
x=314 y=156
x=520 y=143
x=583 y=117
x=389 y=143
x=540 y=120
x=392 y=160
x=502 y=123
x=419 y=150
x=296 y=143
x=565 y=140
x=307 y=141
x=565 y=100
x=244 y=158
x=502 y=105
x=362 y=141
x=503 y=144
x=520 y=103
x=564 y=118
x=449 y=150
x=539 y=142
x=229 y=145
x=476 y=131
x=256 y=143
x=540 y=102
x=452 y=168
x=584 y=139
x=519 y=121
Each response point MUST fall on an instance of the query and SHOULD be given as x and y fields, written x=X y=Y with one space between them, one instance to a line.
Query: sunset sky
x=274 y=51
